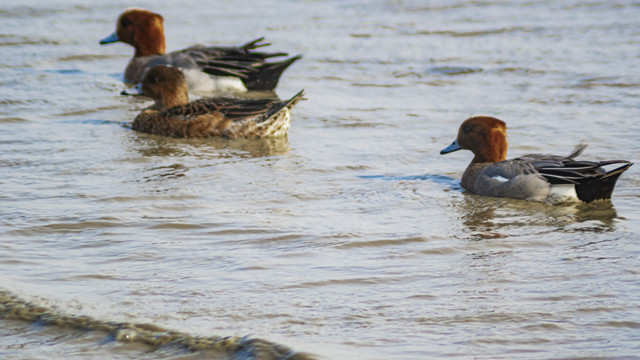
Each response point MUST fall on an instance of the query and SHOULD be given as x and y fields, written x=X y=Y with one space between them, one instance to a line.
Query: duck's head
x=485 y=136
x=166 y=85
x=142 y=29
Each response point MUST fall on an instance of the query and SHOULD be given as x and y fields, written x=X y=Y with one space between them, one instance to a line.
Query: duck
x=533 y=177
x=208 y=68
x=173 y=115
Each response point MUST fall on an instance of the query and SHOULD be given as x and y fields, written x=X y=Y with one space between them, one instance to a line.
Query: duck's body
x=532 y=177
x=173 y=115
x=228 y=117
x=197 y=79
x=235 y=68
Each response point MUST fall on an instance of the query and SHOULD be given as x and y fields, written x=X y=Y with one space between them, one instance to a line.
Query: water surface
x=351 y=237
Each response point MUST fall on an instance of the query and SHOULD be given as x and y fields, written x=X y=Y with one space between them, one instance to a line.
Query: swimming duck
x=534 y=177
x=144 y=30
x=173 y=115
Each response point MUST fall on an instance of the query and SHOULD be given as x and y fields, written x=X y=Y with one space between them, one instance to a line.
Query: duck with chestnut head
x=234 y=68
x=534 y=177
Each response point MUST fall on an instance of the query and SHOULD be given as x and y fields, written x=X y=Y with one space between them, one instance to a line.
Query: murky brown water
x=351 y=238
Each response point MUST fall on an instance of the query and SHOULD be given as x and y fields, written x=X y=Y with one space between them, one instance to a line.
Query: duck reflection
x=486 y=218
x=174 y=158
x=151 y=145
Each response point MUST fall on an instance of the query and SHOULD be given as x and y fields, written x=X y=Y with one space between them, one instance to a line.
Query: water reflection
x=453 y=70
x=152 y=145
x=168 y=159
x=172 y=171
x=451 y=183
x=486 y=217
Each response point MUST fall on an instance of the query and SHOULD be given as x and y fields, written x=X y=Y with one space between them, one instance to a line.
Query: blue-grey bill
x=451 y=148
x=110 y=39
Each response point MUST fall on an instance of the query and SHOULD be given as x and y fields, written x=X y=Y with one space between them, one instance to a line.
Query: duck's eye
x=466 y=129
x=125 y=22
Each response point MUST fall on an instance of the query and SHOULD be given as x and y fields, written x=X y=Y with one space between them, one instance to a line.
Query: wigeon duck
x=532 y=177
x=144 y=30
x=173 y=115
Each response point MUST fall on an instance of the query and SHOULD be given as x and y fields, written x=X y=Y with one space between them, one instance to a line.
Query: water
x=350 y=238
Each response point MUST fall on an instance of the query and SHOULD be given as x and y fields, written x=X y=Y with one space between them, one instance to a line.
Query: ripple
x=543 y=327
x=65 y=71
x=63 y=228
x=611 y=82
x=154 y=336
x=453 y=70
x=14 y=40
x=474 y=33
x=90 y=57
x=453 y=183
x=360 y=35
x=379 y=243
x=351 y=281
x=622 y=324
x=177 y=226
x=398 y=85
x=12 y=120
x=521 y=70
x=90 y=111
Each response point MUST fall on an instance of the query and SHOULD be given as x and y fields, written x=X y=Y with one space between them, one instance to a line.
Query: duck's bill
x=110 y=39
x=136 y=90
x=451 y=148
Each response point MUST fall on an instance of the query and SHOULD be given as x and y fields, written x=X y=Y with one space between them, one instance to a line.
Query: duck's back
x=230 y=117
x=591 y=180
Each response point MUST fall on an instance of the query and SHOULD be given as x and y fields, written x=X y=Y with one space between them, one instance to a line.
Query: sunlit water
x=351 y=238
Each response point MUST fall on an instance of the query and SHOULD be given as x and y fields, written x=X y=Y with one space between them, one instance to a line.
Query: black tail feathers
x=268 y=74
x=601 y=187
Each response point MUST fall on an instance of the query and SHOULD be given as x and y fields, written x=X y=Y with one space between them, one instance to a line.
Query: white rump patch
x=563 y=192
x=200 y=82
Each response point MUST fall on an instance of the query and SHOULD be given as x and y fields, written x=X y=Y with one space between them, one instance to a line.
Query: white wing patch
x=500 y=178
